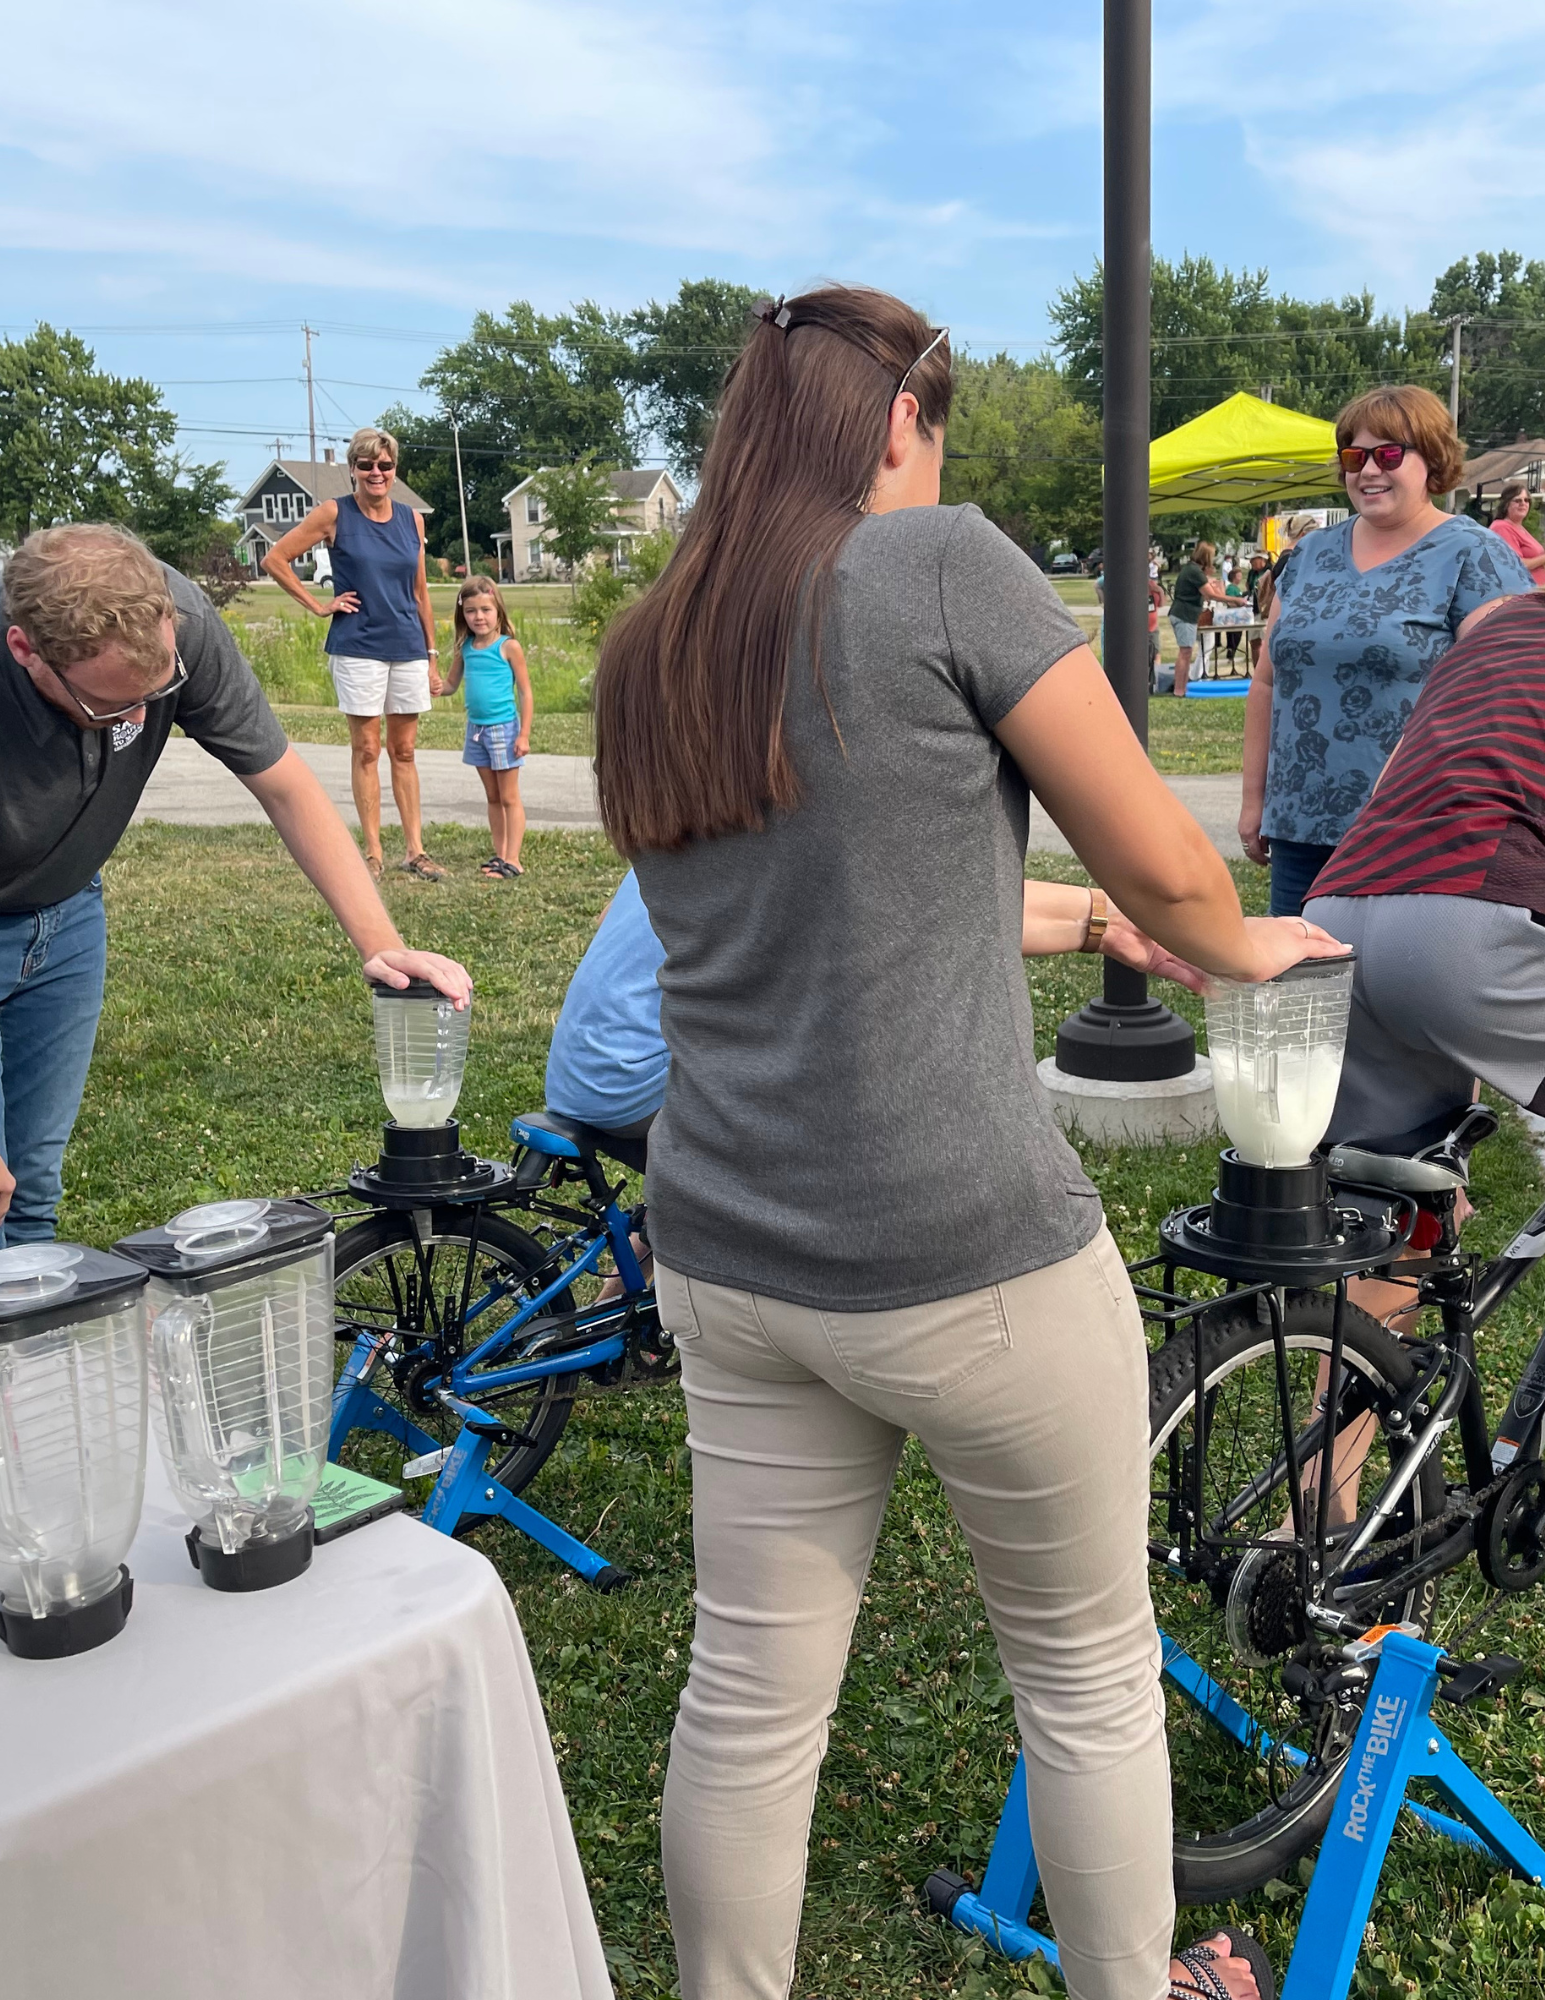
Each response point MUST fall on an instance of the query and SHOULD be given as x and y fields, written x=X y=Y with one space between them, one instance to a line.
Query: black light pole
x=1125 y=1037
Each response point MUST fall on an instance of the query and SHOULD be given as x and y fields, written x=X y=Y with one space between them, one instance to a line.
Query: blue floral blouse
x=1349 y=654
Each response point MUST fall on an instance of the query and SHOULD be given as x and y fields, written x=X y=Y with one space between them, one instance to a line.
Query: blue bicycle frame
x=464 y=1487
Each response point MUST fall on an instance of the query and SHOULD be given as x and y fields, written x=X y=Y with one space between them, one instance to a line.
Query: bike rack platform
x=1397 y=1741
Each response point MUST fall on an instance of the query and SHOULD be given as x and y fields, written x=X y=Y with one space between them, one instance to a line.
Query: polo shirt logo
x=124 y=734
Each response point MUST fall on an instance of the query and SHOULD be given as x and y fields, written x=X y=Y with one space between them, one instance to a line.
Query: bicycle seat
x=1436 y=1169
x=547 y=1135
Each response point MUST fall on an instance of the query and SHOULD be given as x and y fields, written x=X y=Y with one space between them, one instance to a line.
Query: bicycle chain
x=1459 y=1508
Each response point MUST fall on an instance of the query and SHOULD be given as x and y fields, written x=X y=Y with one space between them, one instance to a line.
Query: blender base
x=259 y=1566
x=423 y=1164
x=63 y=1633
x=1281 y=1225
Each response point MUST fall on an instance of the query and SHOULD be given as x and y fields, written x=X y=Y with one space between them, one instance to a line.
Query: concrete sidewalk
x=190 y=788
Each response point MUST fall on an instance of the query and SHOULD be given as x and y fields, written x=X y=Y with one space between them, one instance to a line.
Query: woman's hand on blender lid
x=1278 y=942
x=398 y=968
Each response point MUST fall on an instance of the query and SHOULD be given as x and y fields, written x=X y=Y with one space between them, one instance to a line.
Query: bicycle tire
x=542 y=1413
x=1238 y=1857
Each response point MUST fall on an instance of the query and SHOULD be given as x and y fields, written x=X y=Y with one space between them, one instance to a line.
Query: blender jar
x=241 y=1347
x=421 y=1051
x=72 y=1444
x=1276 y=1052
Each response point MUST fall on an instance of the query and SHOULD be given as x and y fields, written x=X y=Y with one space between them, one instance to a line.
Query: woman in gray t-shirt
x=865 y=1221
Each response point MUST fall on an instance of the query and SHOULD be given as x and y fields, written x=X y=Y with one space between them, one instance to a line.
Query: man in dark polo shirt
x=105 y=650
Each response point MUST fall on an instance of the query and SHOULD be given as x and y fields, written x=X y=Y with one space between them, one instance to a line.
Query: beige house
x=646 y=501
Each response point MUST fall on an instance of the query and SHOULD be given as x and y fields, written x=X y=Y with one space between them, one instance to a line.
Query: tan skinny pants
x=1030 y=1399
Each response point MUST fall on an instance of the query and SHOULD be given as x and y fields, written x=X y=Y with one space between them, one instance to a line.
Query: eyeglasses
x=376 y=465
x=1385 y=456
x=942 y=334
x=179 y=679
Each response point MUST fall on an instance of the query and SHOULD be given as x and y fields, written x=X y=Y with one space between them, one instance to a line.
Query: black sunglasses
x=179 y=679
x=1385 y=456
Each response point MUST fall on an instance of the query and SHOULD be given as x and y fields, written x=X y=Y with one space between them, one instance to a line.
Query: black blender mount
x=1281 y=1225
x=423 y=1164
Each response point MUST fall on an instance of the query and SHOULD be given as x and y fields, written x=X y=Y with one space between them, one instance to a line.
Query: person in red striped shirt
x=1440 y=885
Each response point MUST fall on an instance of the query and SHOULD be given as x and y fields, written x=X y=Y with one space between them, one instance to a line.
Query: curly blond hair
x=74 y=590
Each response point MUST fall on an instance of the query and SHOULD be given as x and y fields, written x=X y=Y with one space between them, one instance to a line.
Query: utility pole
x=311 y=417
x=461 y=495
x=1126 y=1037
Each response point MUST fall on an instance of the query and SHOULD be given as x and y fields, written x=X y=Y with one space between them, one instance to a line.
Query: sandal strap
x=1198 y=1960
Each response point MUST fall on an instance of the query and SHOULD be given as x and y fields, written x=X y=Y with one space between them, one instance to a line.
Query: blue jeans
x=1294 y=865
x=52 y=965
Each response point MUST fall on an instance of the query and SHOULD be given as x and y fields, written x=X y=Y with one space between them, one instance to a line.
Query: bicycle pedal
x=1479 y=1678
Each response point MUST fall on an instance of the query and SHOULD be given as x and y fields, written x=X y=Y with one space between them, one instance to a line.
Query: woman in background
x=1513 y=509
x=381 y=638
x=1362 y=613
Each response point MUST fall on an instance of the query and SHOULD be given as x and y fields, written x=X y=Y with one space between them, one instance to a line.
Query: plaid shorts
x=491 y=746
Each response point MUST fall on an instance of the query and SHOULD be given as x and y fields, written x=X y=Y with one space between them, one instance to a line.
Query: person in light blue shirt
x=608 y=1062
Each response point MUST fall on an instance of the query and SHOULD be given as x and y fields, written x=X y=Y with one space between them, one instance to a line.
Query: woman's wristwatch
x=1099 y=918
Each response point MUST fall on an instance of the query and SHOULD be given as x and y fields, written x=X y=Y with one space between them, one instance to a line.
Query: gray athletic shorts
x=1447 y=989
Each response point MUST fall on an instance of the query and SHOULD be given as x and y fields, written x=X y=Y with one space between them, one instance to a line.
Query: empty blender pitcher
x=241 y=1344
x=1276 y=1051
x=421 y=1051
x=72 y=1444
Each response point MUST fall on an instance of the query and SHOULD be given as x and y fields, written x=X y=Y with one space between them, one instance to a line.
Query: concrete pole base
x=1132 y=1114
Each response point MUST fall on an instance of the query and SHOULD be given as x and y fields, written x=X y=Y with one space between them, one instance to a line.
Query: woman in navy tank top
x=381 y=639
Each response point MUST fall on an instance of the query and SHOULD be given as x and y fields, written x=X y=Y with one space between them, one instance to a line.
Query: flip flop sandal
x=1199 y=1959
x=493 y=869
x=511 y=869
x=421 y=866
x=373 y=864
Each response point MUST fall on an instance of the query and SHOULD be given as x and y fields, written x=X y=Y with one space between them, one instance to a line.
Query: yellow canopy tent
x=1241 y=454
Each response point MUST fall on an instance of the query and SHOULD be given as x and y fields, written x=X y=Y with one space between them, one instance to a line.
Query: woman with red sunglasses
x=1363 y=612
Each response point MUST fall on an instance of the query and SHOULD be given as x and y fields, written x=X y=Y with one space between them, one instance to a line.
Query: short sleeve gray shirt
x=853 y=1119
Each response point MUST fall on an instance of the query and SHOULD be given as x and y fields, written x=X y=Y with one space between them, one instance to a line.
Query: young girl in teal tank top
x=489 y=658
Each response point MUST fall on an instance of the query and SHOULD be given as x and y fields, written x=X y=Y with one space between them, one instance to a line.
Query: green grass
x=235 y=1056
x=288 y=658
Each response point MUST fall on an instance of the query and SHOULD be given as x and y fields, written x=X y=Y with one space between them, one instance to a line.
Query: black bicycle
x=1300 y=1498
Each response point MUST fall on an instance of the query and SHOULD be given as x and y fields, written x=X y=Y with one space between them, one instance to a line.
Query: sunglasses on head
x=1385 y=456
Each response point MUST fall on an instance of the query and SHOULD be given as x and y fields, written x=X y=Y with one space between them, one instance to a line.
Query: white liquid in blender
x=1307 y=1082
x=425 y=1103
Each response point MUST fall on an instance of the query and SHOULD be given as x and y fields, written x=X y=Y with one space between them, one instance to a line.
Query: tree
x=75 y=444
x=176 y=511
x=1022 y=446
x=1216 y=331
x=527 y=391
x=1502 y=368
x=682 y=353
x=580 y=506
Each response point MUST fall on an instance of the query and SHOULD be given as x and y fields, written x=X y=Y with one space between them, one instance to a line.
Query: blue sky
x=196 y=181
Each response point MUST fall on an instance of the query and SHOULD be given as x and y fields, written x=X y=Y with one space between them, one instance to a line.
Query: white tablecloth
x=338 y=1789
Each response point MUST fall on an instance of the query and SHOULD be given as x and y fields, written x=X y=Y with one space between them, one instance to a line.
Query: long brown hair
x=478 y=586
x=690 y=684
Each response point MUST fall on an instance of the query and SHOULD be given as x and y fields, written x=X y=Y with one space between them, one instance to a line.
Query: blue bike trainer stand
x=1396 y=1741
x=464 y=1491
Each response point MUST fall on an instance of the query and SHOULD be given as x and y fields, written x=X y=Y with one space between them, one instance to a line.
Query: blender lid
x=44 y=1285
x=1313 y=968
x=221 y=1241
x=416 y=989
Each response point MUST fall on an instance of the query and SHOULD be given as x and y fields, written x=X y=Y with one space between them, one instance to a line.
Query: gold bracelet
x=1099 y=917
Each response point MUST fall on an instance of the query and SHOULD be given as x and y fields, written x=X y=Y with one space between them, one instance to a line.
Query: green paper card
x=347 y=1500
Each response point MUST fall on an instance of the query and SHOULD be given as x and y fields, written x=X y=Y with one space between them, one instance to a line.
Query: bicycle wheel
x=1243 y=1811
x=380 y=1285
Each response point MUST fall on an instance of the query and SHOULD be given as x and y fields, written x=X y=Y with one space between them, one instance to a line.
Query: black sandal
x=1199 y=1959
x=493 y=869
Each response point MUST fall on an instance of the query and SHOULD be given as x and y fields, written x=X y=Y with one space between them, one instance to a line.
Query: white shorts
x=380 y=687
